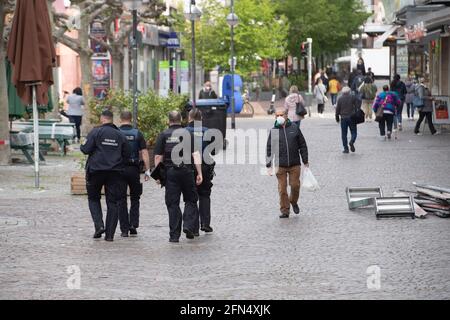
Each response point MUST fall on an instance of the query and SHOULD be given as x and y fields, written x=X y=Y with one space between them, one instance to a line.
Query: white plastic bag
x=309 y=182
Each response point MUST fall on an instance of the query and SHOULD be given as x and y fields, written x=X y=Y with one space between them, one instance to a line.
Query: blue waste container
x=214 y=114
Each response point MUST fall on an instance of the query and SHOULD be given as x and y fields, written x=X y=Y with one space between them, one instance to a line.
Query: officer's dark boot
x=205 y=212
x=135 y=195
x=97 y=216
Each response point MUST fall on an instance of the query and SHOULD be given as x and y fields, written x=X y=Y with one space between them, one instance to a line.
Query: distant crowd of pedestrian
x=360 y=92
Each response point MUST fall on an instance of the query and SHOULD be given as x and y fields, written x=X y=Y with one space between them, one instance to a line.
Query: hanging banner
x=101 y=77
x=98 y=32
x=164 y=78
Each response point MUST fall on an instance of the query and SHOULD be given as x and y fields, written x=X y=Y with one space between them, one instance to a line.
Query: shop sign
x=173 y=41
x=415 y=32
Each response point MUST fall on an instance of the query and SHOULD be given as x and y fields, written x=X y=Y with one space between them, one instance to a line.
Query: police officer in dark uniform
x=108 y=150
x=175 y=147
x=203 y=190
x=130 y=222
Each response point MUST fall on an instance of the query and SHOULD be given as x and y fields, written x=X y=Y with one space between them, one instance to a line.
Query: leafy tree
x=260 y=34
x=329 y=23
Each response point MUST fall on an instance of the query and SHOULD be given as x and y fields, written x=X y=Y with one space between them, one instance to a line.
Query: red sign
x=415 y=32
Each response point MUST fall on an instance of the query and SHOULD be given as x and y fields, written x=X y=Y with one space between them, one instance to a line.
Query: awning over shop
x=378 y=44
x=436 y=17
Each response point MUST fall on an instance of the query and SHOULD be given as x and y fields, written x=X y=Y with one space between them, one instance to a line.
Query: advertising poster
x=164 y=78
x=402 y=61
x=184 y=77
x=441 y=114
x=101 y=77
x=98 y=32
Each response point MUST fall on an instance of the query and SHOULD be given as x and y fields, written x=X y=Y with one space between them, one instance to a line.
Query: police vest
x=199 y=133
x=132 y=138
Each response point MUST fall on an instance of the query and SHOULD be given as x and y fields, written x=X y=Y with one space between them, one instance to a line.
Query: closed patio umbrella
x=32 y=54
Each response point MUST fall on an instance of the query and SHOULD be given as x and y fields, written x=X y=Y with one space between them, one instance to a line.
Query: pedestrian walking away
x=335 y=88
x=425 y=108
x=108 y=152
x=290 y=105
x=352 y=77
x=399 y=87
x=346 y=106
x=320 y=92
x=180 y=175
x=203 y=221
x=370 y=74
x=357 y=82
x=368 y=92
x=75 y=110
x=129 y=220
x=388 y=101
x=410 y=88
x=285 y=145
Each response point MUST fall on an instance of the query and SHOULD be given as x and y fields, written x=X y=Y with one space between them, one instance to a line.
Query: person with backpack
x=399 y=87
x=388 y=102
x=368 y=92
x=129 y=221
x=423 y=101
x=357 y=82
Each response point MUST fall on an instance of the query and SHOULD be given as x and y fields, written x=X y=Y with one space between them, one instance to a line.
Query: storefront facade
x=426 y=34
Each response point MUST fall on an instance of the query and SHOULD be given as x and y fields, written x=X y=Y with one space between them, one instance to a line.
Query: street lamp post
x=134 y=5
x=232 y=20
x=309 y=41
x=193 y=15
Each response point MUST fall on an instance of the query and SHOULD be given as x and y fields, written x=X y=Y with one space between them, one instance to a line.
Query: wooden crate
x=78 y=183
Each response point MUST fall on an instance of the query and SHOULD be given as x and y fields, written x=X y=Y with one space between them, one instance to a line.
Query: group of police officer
x=116 y=157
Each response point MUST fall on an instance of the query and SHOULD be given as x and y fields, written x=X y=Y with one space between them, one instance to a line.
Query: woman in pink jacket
x=290 y=104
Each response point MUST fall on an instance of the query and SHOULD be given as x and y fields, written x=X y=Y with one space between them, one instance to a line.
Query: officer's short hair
x=174 y=117
x=126 y=116
x=107 y=114
x=195 y=115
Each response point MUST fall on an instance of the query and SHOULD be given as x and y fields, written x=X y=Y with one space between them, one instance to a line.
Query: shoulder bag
x=325 y=98
x=300 y=109
x=358 y=115
x=380 y=112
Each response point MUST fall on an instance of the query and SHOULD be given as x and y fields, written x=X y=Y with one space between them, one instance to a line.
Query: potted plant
x=78 y=178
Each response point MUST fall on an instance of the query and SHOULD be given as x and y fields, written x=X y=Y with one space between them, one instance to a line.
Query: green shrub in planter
x=152 y=110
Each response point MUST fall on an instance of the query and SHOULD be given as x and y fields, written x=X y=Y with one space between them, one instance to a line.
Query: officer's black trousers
x=181 y=181
x=115 y=191
x=204 y=201
x=133 y=181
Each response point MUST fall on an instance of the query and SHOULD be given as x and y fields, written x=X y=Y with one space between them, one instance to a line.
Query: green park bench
x=49 y=130
x=23 y=141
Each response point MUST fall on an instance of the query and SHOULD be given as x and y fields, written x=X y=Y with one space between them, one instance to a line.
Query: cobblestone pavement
x=323 y=253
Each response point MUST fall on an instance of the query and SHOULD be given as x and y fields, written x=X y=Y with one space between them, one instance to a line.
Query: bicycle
x=247 y=108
